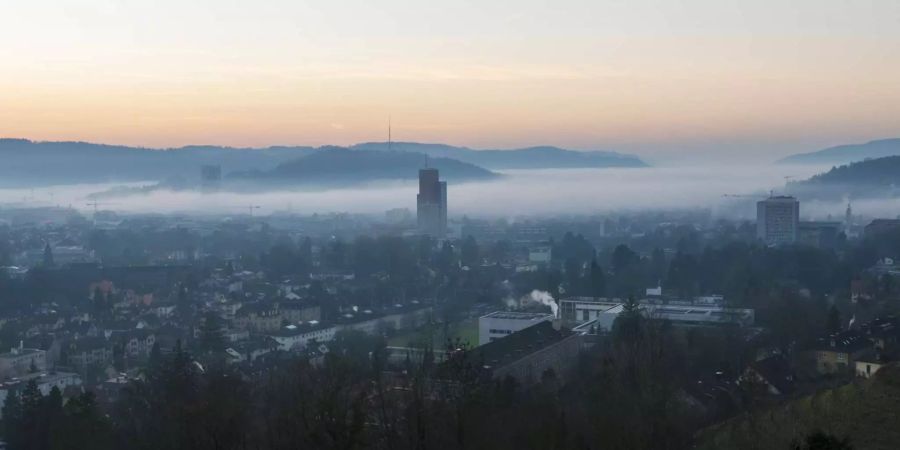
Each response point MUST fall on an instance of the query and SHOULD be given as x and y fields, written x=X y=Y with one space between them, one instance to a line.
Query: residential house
x=871 y=362
x=136 y=343
x=259 y=317
x=86 y=352
x=839 y=352
x=45 y=383
x=19 y=361
x=299 y=311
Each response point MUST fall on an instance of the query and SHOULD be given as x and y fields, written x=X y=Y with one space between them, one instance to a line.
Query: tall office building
x=431 y=203
x=778 y=220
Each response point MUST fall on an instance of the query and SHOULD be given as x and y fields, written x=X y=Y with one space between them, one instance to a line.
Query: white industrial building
x=295 y=337
x=585 y=313
x=500 y=324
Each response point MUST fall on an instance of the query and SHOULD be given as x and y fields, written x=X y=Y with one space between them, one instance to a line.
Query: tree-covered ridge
x=872 y=178
x=541 y=157
x=341 y=166
x=843 y=154
x=37 y=163
x=871 y=172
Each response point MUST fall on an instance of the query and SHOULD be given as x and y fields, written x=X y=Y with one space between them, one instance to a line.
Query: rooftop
x=512 y=315
x=300 y=328
x=847 y=341
x=519 y=344
x=19 y=352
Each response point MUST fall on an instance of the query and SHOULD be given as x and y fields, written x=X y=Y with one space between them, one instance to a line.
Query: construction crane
x=251 y=208
x=95 y=204
x=745 y=196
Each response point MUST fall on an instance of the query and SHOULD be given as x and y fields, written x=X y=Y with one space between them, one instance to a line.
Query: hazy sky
x=716 y=78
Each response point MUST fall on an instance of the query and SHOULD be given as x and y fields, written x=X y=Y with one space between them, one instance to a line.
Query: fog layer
x=519 y=192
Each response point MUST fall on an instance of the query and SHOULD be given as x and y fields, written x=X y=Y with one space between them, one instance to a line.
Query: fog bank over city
x=518 y=192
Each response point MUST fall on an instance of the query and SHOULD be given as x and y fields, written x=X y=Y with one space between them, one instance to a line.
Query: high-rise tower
x=431 y=203
x=777 y=220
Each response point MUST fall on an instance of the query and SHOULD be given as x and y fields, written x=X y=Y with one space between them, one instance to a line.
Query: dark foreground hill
x=866 y=412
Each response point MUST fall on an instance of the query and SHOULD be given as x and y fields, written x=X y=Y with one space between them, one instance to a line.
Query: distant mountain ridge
x=541 y=157
x=28 y=162
x=338 y=166
x=844 y=154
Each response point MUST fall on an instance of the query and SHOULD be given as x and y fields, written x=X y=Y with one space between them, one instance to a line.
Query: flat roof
x=515 y=315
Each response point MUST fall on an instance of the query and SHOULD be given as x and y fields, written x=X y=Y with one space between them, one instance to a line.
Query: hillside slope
x=29 y=162
x=544 y=157
x=871 y=178
x=844 y=154
x=339 y=167
x=866 y=412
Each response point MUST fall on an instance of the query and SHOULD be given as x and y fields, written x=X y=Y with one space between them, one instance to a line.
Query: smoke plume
x=544 y=298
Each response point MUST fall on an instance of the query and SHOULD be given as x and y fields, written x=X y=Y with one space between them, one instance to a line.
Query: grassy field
x=466 y=330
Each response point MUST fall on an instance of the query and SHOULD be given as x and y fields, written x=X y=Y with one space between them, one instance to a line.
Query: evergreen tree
x=97 y=303
x=573 y=269
x=628 y=326
x=598 y=280
x=833 y=324
x=211 y=339
x=183 y=307
x=32 y=408
x=155 y=360
x=48 y=256
x=469 y=252
x=119 y=357
x=623 y=257
x=52 y=418
x=84 y=427
x=12 y=419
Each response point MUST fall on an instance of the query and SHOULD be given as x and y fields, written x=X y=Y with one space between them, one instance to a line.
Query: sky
x=668 y=80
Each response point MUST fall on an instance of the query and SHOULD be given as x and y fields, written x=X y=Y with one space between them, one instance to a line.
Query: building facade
x=778 y=220
x=431 y=203
x=500 y=324
x=19 y=361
